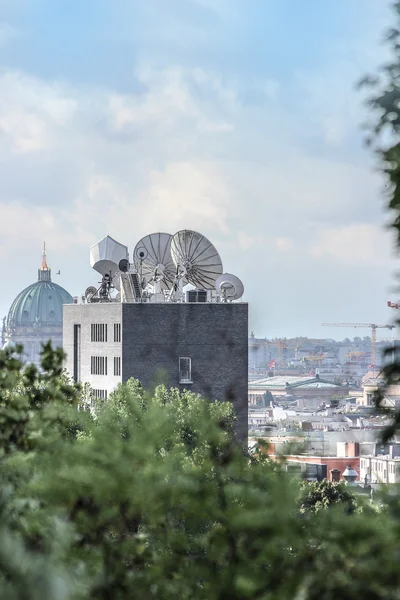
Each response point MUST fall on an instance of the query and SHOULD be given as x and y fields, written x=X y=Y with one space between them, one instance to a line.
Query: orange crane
x=282 y=349
x=373 y=328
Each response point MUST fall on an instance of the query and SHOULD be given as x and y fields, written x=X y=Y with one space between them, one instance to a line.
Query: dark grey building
x=202 y=347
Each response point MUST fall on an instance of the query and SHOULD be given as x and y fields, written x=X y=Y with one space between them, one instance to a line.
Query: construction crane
x=282 y=350
x=371 y=326
x=393 y=304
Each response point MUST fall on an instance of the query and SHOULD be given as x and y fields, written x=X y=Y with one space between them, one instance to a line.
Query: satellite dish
x=229 y=287
x=90 y=292
x=152 y=258
x=118 y=297
x=105 y=257
x=123 y=265
x=197 y=257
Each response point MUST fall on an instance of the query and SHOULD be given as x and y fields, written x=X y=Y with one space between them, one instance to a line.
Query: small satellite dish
x=105 y=257
x=123 y=265
x=152 y=258
x=90 y=292
x=118 y=297
x=229 y=287
x=197 y=257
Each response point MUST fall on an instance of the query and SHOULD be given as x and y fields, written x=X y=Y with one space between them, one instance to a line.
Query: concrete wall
x=85 y=315
x=214 y=336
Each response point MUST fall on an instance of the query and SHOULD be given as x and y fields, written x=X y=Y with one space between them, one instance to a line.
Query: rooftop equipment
x=163 y=265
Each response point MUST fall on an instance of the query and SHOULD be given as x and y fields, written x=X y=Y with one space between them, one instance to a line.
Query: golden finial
x=44 y=266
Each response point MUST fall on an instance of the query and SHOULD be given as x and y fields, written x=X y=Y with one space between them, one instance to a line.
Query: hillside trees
x=154 y=498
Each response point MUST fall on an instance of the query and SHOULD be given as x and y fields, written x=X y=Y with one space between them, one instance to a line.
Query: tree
x=320 y=495
x=153 y=497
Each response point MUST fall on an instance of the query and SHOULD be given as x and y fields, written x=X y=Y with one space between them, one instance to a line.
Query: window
x=185 y=370
x=77 y=353
x=117 y=365
x=98 y=332
x=117 y=332
x=101 y=394
x=98 y=365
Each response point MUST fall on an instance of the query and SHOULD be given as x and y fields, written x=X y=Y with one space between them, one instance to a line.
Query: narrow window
x=98 y=365
x=185 y=370
x=98 y=332
x=101 y=394
x=117 y=332
x=77 y=353
x=117 y=365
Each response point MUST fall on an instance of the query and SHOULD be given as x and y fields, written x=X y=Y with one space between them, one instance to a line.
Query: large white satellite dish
x=153 y=260
x=105 y=256
x=229 y=287
x=196 y=257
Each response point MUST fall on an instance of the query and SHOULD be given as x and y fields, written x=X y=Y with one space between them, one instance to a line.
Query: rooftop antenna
x=104 y=258
x=229 y=287
x=90 y=292
x=196 y=259
x=153 y=261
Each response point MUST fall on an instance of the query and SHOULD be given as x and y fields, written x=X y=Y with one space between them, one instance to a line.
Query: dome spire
x=44 y=266
x=44 y=273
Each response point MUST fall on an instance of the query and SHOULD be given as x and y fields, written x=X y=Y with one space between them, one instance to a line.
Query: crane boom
x=371 y=326
x=364 y=325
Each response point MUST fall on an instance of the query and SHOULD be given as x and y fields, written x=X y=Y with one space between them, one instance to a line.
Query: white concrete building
x=383 y=466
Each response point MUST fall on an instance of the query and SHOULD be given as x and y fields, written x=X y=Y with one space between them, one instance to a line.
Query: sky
x=236 y=118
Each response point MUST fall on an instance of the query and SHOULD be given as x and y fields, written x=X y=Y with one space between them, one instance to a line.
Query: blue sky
x=237 y=118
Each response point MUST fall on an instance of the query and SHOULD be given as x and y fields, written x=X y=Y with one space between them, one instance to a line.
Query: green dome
x=40 y=304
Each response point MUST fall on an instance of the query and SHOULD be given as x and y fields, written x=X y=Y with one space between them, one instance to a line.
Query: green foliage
x=319 y=495
x=384 y=127
x=152 y=497
x=383 y=136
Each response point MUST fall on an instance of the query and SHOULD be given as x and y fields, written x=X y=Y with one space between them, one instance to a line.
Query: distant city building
x=35 y=316
x=316 y=468
x=308 y=391
x=382 y=466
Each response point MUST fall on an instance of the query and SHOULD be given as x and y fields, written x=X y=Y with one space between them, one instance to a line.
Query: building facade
x=309 y=390
x=382 y=466
x=201 y=347
x=36 y=315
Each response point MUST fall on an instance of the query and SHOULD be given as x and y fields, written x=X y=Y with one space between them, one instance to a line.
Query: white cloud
x=362 y=244
x=184 y=151
x=284 y=244
x=32 y=112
